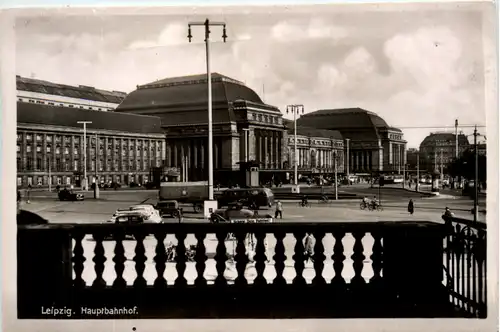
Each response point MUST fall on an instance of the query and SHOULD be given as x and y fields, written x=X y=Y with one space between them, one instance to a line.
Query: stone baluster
x=319 y=258
x=338 y=258
x=279 y=259
x=160 y=260
x=376 y=258
x=201 y=259
x=299 y=259
x=180 y=258
x=119 y=261
x=78 y=260
x=220 y=260
x=241 y=259
x=260 y=258
x=358 y=258
x=140 y=260
x=99 y=259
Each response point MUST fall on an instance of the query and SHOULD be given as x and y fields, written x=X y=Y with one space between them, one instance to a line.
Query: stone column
x=271 y=149
x=216 y=154
x=174 y=147
x=266 y=151
x=72 y=153
x=202 y=156
x=120 y=155
x=44 y=153
x=23 y=151
x=277 y=145
x=390 y=153
x=33 y=150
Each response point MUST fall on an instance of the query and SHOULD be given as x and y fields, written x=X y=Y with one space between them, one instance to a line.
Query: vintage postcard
x=214 y=164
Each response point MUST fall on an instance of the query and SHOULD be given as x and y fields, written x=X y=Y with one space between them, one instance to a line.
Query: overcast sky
x=413 y=68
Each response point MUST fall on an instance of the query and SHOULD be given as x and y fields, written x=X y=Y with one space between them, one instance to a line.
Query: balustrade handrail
x=204 y=227
x=467 y=222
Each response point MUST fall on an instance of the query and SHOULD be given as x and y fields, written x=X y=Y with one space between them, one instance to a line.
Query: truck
x=194 y=193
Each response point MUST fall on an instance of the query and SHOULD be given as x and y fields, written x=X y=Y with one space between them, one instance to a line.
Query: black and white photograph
x=327 y=161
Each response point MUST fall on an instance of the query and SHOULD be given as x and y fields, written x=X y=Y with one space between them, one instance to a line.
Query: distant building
x=440 y=149
x=60 y=95
x=374 y=146
x=316 y=149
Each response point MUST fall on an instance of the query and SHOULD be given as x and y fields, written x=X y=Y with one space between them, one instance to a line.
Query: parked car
x=146 y=211
x=169 y=208
x=235 y=213
x=70 y=195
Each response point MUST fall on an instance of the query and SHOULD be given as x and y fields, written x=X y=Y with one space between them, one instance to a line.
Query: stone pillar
x=252 y=145
x=202 y=156
x=404 y=155
x=216 y=155
x=271 y=149
x=277 y=150
x=266 y=151
x=33 y=150
x=120 y=155
x=23 y=151
x=44 y=153
x=390 y=153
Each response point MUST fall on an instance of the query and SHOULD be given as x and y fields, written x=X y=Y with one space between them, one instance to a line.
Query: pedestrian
x=309 y=247
x=28 y=191
x=279 y=210
x=411 y=206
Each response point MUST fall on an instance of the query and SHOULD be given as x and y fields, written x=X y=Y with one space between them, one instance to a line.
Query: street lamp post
x=207 y=25
x=295 y=109
x=418 y=170
x=335 y=170
x=347 y=160
x=476 y=176
x=96 y=182
x=84 y=182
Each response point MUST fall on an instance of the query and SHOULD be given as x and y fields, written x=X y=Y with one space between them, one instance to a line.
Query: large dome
x=345 y=118
x=354 y=123
x=188 y=90
x=183 y=100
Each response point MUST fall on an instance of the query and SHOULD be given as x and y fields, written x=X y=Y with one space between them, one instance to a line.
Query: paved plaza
x=93 y=211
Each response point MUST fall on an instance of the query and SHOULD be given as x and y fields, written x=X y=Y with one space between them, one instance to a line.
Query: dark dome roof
x=187 y=90
x=345 y=118
x=312 y=132
x=356 y=124
x=434 y=138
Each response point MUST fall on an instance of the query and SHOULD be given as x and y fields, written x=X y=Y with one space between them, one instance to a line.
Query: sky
x=414 y=68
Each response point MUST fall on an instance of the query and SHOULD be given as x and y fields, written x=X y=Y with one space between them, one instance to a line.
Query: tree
x=465 y=166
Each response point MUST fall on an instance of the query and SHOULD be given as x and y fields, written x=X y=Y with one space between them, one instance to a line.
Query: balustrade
x=354 y=267
x=465 y=265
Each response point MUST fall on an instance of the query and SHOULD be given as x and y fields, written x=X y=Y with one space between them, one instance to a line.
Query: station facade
x=245 y=129
x=374 y=146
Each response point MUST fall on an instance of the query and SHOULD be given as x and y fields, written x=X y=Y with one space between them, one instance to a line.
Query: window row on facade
x=66 y=165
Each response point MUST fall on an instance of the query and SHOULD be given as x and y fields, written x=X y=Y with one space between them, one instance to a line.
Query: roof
x=183 y=100
x=80 y=92
x=434 y=138
x=343 y=118
x=312 y=132
x=356 y=124
x=67 y=117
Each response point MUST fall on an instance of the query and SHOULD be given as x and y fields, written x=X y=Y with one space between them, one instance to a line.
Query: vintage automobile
x=69 y=195
x=147 y=212
x=169 y=208
x=235 y=213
